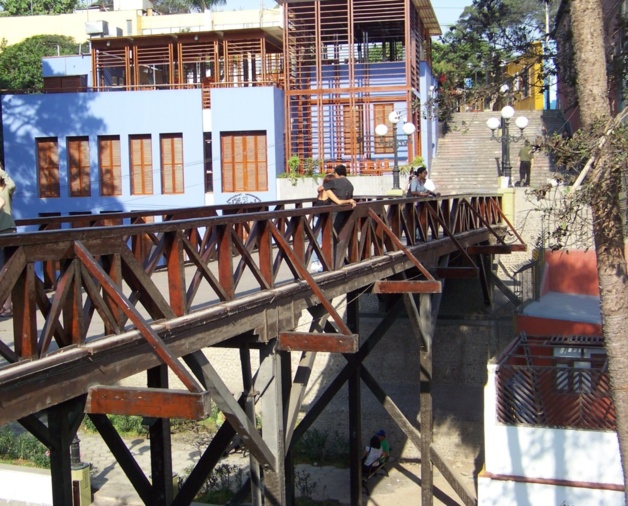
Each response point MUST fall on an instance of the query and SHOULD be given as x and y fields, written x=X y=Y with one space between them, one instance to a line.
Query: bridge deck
x=117 y=299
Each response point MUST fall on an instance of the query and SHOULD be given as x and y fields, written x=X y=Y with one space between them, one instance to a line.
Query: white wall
x=363 y=186
x=19 y=485
x=511 y=493
x=583 y=456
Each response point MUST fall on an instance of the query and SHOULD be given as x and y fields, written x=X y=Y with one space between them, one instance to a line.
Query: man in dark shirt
x=343 y=189
x=340 y=185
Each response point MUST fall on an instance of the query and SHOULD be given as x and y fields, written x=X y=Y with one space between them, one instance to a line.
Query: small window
x=48 y=167
x=109 y=165
x=171 y=163
x=141 y=152
x=78 y=167
x=244 y=162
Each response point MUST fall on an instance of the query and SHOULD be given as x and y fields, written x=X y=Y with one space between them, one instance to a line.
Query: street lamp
x=506 y=138
x=381 y=130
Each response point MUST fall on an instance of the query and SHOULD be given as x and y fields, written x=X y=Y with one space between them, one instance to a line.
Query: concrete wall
x=25 y=486
x=140 y=21
x=572 y=271
x=28 y=117
x=363 y=186
x=512 y=493
x=563 y=459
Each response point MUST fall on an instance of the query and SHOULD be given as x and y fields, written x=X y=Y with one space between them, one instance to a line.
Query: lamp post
x=381 y=130
x=506 y=138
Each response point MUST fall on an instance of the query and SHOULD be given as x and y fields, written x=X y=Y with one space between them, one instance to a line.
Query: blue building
x=187 y=119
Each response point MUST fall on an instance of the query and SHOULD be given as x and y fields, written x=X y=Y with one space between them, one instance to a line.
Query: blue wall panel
x=260 y=109
x=27 y=117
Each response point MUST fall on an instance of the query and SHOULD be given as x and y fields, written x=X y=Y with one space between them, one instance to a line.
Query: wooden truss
x=86 y=282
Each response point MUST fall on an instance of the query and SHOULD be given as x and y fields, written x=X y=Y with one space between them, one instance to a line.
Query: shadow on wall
x=571 y=271
x=29 y=117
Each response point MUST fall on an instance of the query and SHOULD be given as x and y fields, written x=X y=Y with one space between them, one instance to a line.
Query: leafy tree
x=34 y=7
x=185 y=6
x=488 y=34
x=20 y=64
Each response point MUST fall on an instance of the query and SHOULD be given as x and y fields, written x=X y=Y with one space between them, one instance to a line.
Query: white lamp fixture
x=507 y=113
x=381 y=131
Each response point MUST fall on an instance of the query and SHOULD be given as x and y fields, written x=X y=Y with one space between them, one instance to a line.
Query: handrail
x=94 y=290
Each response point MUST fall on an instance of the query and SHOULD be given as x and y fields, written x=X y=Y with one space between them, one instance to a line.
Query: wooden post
x=249 y=408
x=160 y=444
x=272 y=421
x=355 y=408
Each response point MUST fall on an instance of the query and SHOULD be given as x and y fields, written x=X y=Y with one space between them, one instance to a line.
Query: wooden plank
x=402 y=286
x=105 y=361
x=317 y=341
x=153 y=402
x=496 y=249
x=457 y=272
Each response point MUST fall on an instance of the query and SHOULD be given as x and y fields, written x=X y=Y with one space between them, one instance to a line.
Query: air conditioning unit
x=96 y=28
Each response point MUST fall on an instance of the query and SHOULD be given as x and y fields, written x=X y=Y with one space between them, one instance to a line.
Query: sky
x=447 y=11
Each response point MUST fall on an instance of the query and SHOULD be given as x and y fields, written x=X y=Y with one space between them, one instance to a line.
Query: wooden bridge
x=89 y=312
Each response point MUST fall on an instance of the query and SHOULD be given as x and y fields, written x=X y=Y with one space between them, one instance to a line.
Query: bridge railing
x=82 y=277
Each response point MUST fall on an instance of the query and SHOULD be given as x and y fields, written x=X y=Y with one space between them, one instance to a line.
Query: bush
x=23 y=448
x=124 y=425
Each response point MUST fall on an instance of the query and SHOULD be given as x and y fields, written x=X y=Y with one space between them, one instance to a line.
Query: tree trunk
x=588 y=37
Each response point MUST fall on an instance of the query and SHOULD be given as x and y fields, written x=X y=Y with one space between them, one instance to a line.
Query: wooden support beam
x=404 y=286
x=153 y=402
x=457 y=272
x=496 y=249
x=123 y=457
x=317 y=341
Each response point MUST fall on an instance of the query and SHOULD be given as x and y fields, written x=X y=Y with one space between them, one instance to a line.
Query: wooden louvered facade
x=344 y=66
x=79 y=166
x=48 y=167
x=361 y=56
x=110 y=165
x=188 y=60
x=141 y=164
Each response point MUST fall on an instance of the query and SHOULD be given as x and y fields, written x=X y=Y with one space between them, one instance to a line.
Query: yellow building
x=526 y=76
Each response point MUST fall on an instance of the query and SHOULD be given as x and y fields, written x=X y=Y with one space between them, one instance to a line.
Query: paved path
x=401 y=487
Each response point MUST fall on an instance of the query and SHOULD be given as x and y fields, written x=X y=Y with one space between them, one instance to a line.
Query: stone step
x=468 y=158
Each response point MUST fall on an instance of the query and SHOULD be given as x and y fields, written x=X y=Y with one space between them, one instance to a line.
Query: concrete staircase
x=467 y=159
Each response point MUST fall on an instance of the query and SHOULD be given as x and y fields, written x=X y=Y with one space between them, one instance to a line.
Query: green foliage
x=37 y=7
x=305 y=487
x=566 y=216
x=22 y=448
x=124 y=425
x=417 y=161
x=316 y=448
x=221 y=484
x=185 y=6
x=488 y=35
x=20 y=64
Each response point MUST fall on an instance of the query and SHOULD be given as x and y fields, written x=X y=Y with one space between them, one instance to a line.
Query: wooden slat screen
x=244 y=162
x=79 y=166
x=353 y=129
x=141 y=152
x=171 y=163
x=48 y=167
x=380 y=116
x=109 y=165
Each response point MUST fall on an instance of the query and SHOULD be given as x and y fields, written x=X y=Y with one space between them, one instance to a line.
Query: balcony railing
x=535 y=387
